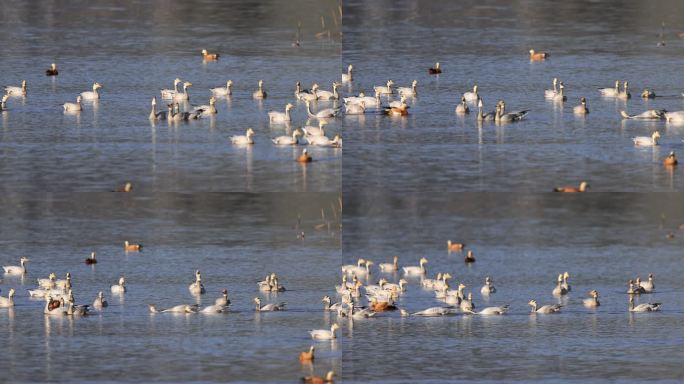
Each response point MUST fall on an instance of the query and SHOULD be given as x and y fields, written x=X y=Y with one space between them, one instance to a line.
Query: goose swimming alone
x=645 y=307
x=259 y=93
x=582 y=108
x=462 y=108
x=6 y=302
x=552 y=308
x=279 y=117
x=197 y=288
x=73 y=107
x=268 y=307
x=92 y=95
x=324 y=334
x=347 y=77
x=119 y=288
x=223 y=91
x=647 y=141
x=592 y=302
x=471 y=96
x=52 y=71
x=17 y=269
x=16 y=91
x=100 y=301
x=551 y=93
x=245 y=139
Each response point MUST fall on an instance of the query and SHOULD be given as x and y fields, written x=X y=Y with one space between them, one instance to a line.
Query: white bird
x=197 y=288
x=560 y=96
x=491 y=311
x=365 y=313
x=183 y=96
x=551 y=93
x=355 y=108
x=223 y=91
x=306 y=94
x=324 y=334
x=592 y=302
x=368 y=101
x=411 y=91
x=624 y=95
x=324 y=141
x=462 y=108
x=16 y=91
x=645 y=307
x=674 y=117
x=347 y=77
x=244 y=139
x=416 y=270
x=17 y=269
x=223 y=300
x=647 y=141
x=327 y=306
x=433 y=311
x=566 y=284
x=389 y=267
x=260 y=93
x=467 y=303
x=354 y=269
x=471 y=96
x=398 y=103
x=288 y=140
x=216 y=308
x=327 y=95
x=169 y=93
x=559 y=290
x=182 y=308
x=92 y=95
x=315 y=131
x=552 y=308
x=64 y=283
x=207 y=110
x=77 y=310
x=49 y=282
x=73 y=107
x=100 y=301
x=119 y=288
x=323 y=113
x=384 y=90
x=611 y=92
x=8 y=301
x=648 y=286
x=268 y=307
x=280 y=117
x=582 y=108
x=488 y=288
x=3 y=102
x=651 y=114
x=502 y=117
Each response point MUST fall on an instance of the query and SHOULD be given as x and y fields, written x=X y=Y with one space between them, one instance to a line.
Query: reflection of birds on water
x=661 y=36
x=297 y=42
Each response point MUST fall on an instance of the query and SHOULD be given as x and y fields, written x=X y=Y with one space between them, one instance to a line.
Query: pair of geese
x=314 y=136
x=173 y=112
x=93 y=95
x=196 y=288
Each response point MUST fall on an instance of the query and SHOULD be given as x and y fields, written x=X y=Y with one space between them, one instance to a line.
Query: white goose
x=169 y=93
x=566 y=284
x=183 y=96
x=324 y=141
x=3 y=102
x=582 y=108
x=560 y=96
x=268 y=307
x=472 y=96
x=645 y=307
x=355 y=108
x=327 y=306
x=16 y=91
x=398 y=103
x=315 y=131
x=488 y=288
x=416 y=270
x=648 y=286
x=280 y=117
x=182 y=308
x=154 y=115
x=559 y=290
x=119 y=288
x=17 y=269
x=675 y=117
x=647 y=141
x=244 y=139
x=6 y=302
x=260 y=93
x=592 y=302
x=73 y=107
x=467 y=304
x=368 y=101
x=64 y=283
x=552 y=308
x=288 y=140
x=215 y=308
x=323 y=113
x=324 y=334
x=491 y=311
x=384 y=90
x=92 y=95
x=197 y=288
x=433 y=311
x=100 y=301
x=389 y=267
x=352 y=269
x=223 y=91
x=48 y=283
x=347 y=77
x=327 y=95
x=481 y=116
x=611 y=92
x=207 y=110
x=462 y=108
x=551 y=93
x=411 y=91
x=223 y=300
x=306 y=94
x=651 y=114
x=624 y=95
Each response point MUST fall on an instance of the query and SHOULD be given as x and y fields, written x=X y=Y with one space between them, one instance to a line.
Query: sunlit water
x=136 y=48
x=233 y=239
x=591 y=46
x=522 y=242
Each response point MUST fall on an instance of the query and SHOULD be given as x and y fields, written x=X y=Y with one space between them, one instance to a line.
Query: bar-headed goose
x=223 y=91
x=389 y=267
x=6 y=302
x=183 y=96
x=488 y=287
x=471 y=96
x=651 y=114
x=624 y=95
x=280 y=117
x=582 y=108
x=649 y=286
x=551 y=93
x=592 y=302
x=323 y=113
x=197 y=288
x=119 y=288
x=327 y=95
x=247 y=138
x=645 y=307
x=268 y=307
x=419 y=270
x=551 y=308
x=288 y=140
x=260 y=93
x=100 y=301
x=462 y=108
x=411 y=91
x=384 y=90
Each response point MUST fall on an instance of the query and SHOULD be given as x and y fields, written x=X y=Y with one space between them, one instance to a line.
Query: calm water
x=234 y=239
x=134 y=48
x=523 y=242
x=591 y=44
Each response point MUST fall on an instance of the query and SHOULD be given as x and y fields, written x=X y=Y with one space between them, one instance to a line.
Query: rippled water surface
x=135 y=48
x=592 y=44
x=522 y=242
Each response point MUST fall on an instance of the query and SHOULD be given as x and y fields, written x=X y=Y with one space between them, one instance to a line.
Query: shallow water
x=486 y=44
x=522 y=242
x=135 y=48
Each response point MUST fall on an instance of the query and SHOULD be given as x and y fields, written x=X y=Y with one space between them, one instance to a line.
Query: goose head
x=329 y=376
x=23 y=84
x=257 y=300
x=176 y=81
x=122 y=281
x=333 y=328
x=78 y=99
x=475 y=88
x=350 y=68
x=250 y=132
x=583 y=100
x=261 y=83
x=154 y=101
x=289 y=107
x=204 y=52
x=555 y=81
x=655 y=136
x=437 y=65
x=11 y=293
x=229 y=83
x=96 y=86
x=583 y=187
x=100 y=295
x=423 y=261
x=566 y=275
x=23 y=260
x=4 y=98
x=187 y=85
x=53 y=66
x=532 y=303
x=414 y=83
x=326 y=299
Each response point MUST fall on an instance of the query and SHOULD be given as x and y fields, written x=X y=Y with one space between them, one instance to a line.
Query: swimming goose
x=327 y=95
x=16 y=91
x=648 y=94
x=611 y=92
x=462 y=108
x=223 y=91
x=671 y=159
x=328 y=379
x=48 y=283
x=347 y=77
x=182 y=308
x=279 y=117
x=355 y=108
x=323 y=113
x=52 y=71
x=17 y=269
x=398 y=103
x=582 y=108
x=551 y=93
x=120 y=287
x=268 y=307
x=624 y=95
x=130 y=247
x=324 y=334
x=307 y=357
x=389 y=267
x=244 y=139
x=364 y=313
x=64 y=283
x=536 y=56
x=647 y=141
x=467 y=304
x=582 y=188
x=154 y=114
x=436 y=70
x=170 y=93
x=183 y=96
x=324 y=141
x=648 y=286
x=52 y=308
x=552 y=308
x=260 y=93
x=3 y=102
x=416 y=270
x=411 y=91
x=304 y=157
x=76 y=310
x=91 y=259
x=559 y=290
x=488 y=288
x=384 y=90
x=675 y=117
x=491 y=311
x=265 y=285
x=471 y=96
x=100 y=301
x=354 y=269
x=306 y=94
x=8 y=301
x=433 y=311
x=645 y=307
x=212 y=309
x=368 y=101
x=501 y=117
x=651 y=114
x=73 y=107
x=396 y=288
x=560 y=96
x=207 y=110
x=209 y=56
x=223 y=300
x=592 y=302
x=92 y=95
x=197 y=288
x=634 y=289
x=565 y=284
x=274 y=286
x=327 y=306
x=469 y=257
x=482 y=116
x=315 y=131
